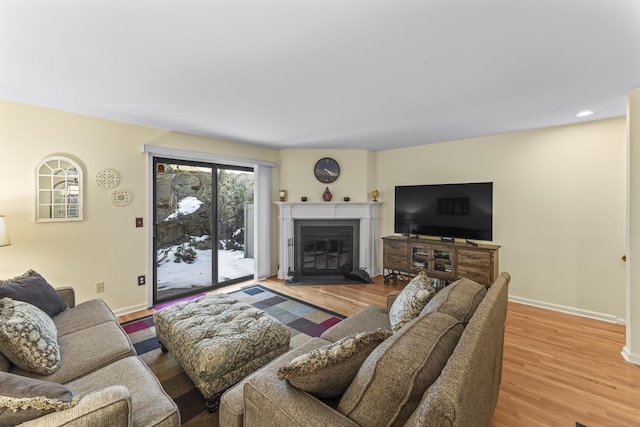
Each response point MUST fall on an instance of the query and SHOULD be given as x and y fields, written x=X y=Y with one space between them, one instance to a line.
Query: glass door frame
x=155 y=221
x=215 y=169
x=263 y=201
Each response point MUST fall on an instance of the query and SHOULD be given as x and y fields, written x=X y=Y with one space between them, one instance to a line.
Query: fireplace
x=361 y=217
x=325 y=247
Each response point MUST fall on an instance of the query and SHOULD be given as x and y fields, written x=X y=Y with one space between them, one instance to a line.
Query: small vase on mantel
x=326 y=196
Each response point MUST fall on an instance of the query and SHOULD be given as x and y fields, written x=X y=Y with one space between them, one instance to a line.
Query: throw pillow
x=410 y=302
x=33 y=288
x=327 y=371
x=460 y=300
x=28 y=337
x=392 y=380
x=23 y=399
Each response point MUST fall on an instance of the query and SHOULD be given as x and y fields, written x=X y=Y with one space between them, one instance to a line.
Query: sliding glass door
x=202 y=221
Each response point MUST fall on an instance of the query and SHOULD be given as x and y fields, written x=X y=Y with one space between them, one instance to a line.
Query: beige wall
x=631 y=351
x=106 y=246
x=559 y=201
x=356 y=180
x=559 y=207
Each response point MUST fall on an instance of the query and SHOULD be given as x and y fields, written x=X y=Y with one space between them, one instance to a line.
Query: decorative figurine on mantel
x=326 y=196
x=375 y=195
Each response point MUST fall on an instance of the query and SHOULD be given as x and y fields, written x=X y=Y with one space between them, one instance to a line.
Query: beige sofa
x=99 y=364
x=462 y=393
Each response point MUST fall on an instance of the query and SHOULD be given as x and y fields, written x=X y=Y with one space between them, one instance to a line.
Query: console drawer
x=395 y=247
x=398 y=261
x=474 y=257
x=478 y=274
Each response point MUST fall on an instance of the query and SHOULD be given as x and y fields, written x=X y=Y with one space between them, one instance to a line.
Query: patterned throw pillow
x=328 y=370
x=28 y=337
x=33 y=288
x=23 y=399
x=410 y=302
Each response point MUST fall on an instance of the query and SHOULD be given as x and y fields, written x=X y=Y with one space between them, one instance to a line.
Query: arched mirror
x=59 y=192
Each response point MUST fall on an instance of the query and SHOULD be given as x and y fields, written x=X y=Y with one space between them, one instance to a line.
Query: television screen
x=463 y=211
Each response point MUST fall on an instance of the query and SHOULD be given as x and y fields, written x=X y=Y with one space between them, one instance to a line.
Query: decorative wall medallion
x=121 y=198
x=108 y=178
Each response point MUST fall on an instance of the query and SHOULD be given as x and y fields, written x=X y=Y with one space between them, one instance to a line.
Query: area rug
x=303 y=320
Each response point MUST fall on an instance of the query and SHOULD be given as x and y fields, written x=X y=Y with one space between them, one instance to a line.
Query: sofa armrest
x=68 y=295
x=391 y=298
x=270 y=402
x=110 y=406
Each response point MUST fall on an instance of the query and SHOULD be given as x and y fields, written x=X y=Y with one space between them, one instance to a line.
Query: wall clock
x=326 y=170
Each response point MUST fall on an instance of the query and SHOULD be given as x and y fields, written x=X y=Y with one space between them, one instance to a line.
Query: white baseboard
x=131 y=309
x=569 y=310
x=630 y=357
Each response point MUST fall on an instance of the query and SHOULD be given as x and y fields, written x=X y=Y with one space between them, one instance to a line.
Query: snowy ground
x=180 y=275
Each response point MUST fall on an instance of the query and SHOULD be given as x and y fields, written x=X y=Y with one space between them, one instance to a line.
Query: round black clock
x=326 y=170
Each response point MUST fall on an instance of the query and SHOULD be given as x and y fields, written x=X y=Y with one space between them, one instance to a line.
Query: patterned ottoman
x=219 y=340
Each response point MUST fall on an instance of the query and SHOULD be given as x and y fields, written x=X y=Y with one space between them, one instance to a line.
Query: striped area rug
x=303 y=320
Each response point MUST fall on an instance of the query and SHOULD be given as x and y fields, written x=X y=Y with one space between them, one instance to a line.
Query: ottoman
x=219 y=340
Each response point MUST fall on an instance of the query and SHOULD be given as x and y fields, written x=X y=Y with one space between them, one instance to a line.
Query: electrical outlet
x=141 y=280
x=99 y=287
x=139 y=222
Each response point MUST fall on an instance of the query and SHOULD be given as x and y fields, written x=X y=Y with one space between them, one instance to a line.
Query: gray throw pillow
x=391 y=381
x=23 y=399
x=28 y=337
x=460 y=300
x=31 y=287
x=328 y=370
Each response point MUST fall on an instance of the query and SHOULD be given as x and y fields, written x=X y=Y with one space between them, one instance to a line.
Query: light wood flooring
x=558 y=368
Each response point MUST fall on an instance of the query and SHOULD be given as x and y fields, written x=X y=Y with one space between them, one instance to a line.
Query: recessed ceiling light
x=584 y=113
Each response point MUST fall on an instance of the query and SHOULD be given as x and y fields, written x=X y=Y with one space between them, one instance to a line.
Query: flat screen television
x=463 y=211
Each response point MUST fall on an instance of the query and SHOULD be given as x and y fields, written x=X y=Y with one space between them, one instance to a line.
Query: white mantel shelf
x=367 y=212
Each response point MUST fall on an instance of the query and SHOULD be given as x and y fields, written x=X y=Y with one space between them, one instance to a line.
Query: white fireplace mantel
x=367 y=212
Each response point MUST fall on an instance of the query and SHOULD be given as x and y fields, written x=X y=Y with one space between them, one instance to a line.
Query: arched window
x=59 y=192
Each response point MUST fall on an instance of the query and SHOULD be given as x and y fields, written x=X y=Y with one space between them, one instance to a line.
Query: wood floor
x=558 y=369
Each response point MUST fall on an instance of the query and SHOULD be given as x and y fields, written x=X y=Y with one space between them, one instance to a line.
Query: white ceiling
x=360 y=74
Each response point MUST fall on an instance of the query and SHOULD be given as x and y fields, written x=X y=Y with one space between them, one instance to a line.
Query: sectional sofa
x=441 y=366
x=68 y=364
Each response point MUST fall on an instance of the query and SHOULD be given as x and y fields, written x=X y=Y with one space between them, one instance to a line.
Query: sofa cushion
x=327 y=371
x=389 y=385
x=460 y=300
x=82 y=316
x=28 y=337
x=151 y=406
x=33 y=288
x=232 y=401
x=87 y=350
x=411 y=300
x=368 y=319
x=23 y=399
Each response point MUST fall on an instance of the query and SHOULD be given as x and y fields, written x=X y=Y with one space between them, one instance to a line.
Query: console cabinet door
x=444 y=262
